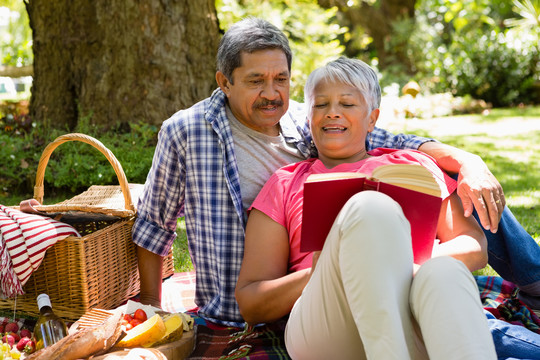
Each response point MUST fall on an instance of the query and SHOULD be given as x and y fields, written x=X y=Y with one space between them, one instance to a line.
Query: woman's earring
x=370 y=141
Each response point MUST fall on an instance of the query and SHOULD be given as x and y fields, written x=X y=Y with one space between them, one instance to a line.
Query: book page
x=334 y=176
x=409 y=176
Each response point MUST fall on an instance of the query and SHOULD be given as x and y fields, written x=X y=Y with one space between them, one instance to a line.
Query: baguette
x=88 y=341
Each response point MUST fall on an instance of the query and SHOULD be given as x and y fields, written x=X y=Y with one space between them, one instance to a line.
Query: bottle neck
x=45 y=309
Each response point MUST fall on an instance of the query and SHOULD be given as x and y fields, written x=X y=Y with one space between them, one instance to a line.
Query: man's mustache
x=265 y=103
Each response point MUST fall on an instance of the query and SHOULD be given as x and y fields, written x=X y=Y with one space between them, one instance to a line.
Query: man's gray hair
x=249 y=35
x=353 y=72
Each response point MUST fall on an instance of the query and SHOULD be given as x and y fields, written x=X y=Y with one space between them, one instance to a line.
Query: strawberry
x=12 y=327
x=135 y=322
x=22 y=343
x=30 y=347
x=8 y=339
x=15 y=336
x=25 y=333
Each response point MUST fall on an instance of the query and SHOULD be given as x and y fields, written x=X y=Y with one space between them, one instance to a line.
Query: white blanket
x=24 y=238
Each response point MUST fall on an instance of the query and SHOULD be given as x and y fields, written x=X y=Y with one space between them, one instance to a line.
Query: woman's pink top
x=282 y=195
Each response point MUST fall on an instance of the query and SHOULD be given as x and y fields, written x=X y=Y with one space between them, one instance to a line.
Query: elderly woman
x=361 y=296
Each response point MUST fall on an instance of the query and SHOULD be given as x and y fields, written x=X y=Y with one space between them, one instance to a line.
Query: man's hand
x=478 y=188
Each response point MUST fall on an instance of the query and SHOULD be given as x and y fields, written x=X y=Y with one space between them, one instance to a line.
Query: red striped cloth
x=24 y=238
x=178 y=292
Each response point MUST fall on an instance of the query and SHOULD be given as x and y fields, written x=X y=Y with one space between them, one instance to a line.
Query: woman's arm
x=461 y=237
x=265 y=291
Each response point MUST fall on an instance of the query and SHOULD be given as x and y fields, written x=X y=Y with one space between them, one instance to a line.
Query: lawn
x=507 y=139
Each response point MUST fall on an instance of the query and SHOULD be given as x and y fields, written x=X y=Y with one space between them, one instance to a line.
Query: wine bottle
x=49 y=328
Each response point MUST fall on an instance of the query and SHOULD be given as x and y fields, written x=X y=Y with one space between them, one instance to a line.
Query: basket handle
x=38 y=188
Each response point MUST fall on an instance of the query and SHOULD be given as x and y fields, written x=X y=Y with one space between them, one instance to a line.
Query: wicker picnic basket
x=99 y=269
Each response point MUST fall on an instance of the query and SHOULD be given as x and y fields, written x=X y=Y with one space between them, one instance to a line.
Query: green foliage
x=490 y=69
x=529 y=20
x=15 y=35
x=313 y=42
x=73 y=166
x=396 y=72
x=461 y=47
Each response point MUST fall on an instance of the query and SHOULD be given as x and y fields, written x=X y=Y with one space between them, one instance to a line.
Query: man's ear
x=373 y=117
x=223 y=83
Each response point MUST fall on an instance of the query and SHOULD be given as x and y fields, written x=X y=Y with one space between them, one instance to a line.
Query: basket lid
x=102 y=199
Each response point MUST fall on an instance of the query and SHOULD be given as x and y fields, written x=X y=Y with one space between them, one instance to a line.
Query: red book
x=412 y=186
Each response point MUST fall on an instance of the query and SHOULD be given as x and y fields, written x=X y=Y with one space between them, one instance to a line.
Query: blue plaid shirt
x=194 y=174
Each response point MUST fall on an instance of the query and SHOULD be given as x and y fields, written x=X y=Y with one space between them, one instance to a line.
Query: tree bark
x=120 y=61
x=376 y=18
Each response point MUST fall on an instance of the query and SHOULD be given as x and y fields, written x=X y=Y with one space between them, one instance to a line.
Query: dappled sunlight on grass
x=527 y=112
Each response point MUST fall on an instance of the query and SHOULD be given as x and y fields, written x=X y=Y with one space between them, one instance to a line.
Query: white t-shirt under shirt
x=258 y=156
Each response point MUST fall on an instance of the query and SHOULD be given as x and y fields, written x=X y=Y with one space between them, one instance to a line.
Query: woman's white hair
x=353 y=72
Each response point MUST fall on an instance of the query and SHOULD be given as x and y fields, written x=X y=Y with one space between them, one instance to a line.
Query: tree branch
x=17 y=71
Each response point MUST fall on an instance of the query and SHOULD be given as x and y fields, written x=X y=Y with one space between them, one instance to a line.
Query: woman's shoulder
x=296 y=168
x=289 y=174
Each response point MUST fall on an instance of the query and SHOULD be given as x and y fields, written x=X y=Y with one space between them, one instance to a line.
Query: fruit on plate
x=174 y=329
x=140 y=315
x=148 y=332
x=188 y=321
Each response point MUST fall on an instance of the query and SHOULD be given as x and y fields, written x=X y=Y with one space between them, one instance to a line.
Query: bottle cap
x=43 y=300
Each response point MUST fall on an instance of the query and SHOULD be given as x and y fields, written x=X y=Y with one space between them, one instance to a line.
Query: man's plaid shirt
x=194 y=174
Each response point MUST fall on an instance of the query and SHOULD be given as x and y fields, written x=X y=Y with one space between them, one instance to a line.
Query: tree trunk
x=377 y=18
x=120 y=61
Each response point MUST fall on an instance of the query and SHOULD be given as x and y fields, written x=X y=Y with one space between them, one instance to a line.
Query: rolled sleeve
x=152 y=237
x=161 y=203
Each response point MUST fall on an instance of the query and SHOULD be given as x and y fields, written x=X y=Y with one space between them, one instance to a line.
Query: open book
x=412 y=186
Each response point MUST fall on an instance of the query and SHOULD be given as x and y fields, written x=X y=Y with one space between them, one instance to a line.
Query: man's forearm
x=449 y=158
x=150 y=274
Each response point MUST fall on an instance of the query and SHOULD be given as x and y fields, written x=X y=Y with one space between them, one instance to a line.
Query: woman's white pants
x=362 y=301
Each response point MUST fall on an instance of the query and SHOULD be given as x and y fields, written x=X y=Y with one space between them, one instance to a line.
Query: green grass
x=182 y=260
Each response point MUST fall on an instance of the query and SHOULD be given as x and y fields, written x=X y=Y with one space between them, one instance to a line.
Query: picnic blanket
x=498 y=296
x=263 y=342
x=24 y=239
x=214 y=342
